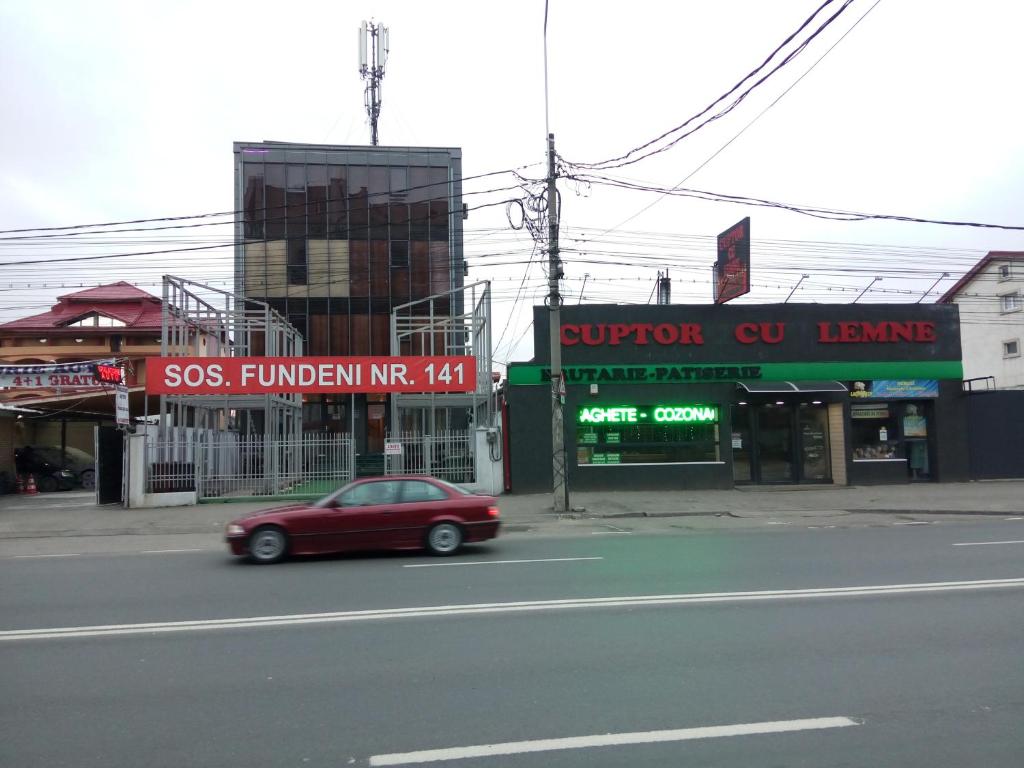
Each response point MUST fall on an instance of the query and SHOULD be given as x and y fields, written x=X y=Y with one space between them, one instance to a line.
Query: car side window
x=418 y=490
x=370 y=494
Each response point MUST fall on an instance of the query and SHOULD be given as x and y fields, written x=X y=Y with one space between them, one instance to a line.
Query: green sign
x=647 y=414
x=712 y=372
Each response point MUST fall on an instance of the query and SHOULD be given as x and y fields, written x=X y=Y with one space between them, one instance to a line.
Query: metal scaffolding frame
x=440 y=325
x=226 y=325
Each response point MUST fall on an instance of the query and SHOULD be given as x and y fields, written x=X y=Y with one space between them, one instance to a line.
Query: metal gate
x=226 y=465
x=446 y=455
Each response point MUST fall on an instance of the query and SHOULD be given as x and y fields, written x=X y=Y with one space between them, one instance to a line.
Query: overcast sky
x=118 y=111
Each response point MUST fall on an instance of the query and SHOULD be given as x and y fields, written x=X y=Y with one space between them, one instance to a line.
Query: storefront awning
x=792 y=386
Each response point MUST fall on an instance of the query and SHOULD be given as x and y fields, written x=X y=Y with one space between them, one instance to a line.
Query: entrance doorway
x=781 y=443
x=109 y=465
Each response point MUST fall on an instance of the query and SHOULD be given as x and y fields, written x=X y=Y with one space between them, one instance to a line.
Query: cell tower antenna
x=373 y=57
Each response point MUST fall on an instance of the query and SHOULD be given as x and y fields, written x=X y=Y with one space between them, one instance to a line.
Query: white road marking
x=477 y=609
x=1015 y=518
x=611 y=740
x=612 y=533
x=501 y=562
x=983 y=543
x=64 y=554
x=163 y=551
x=915 y=522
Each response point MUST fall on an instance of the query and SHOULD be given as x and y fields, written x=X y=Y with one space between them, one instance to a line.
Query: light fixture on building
x=42 y=341
x=79 y=341
x=779 y=402
x=741 y=402
x=815 y=402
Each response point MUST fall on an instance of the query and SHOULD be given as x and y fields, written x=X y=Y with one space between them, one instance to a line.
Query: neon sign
x=648 y=414
x=108 y=374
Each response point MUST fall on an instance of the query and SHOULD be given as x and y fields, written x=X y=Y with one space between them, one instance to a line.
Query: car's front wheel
x=444 y=539
x=268 y=544
x=88 y=479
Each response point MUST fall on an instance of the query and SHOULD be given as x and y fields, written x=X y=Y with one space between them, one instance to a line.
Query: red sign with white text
x=308 y=375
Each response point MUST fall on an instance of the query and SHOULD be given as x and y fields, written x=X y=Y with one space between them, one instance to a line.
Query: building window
x=298 y=269
x=647 y=434
x=1011 y=348
x=1005 y=272
x=399 y=253
x=1010 y=302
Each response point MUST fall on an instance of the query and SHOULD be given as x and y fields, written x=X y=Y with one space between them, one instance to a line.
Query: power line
x=629 y=159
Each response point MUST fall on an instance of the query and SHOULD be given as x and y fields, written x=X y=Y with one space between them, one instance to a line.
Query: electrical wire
x=637 y=154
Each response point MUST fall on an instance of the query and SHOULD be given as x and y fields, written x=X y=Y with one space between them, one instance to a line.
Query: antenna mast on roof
x=373 y=56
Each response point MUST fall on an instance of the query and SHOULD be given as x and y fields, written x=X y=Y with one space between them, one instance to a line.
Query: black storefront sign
x=777 y=374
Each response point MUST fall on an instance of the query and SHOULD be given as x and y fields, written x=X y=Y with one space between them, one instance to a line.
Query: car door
x=365 y=516
x=419 y=502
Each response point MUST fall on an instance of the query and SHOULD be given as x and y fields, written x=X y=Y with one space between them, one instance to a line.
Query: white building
x=991 y=301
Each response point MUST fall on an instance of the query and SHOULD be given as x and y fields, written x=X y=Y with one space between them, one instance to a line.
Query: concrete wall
x=135 y=467
x=984 y=327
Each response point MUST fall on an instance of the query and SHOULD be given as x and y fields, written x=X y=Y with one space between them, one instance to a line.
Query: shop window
x=875 y=432
x=647 y=434
x=1011 y=348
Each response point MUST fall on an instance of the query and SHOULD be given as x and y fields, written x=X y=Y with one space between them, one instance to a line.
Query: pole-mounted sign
x=732 y=270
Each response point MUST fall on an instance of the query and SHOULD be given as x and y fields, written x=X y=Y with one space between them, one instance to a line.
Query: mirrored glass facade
x=334 y=236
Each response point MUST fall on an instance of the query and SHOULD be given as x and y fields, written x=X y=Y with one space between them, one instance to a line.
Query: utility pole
x=560 y=488
x=373 y=56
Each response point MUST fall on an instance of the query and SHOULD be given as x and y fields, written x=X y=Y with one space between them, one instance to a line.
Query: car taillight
x=493 y=512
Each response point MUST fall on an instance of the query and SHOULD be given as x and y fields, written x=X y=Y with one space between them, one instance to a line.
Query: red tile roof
x=122 y=301
x=120 y=291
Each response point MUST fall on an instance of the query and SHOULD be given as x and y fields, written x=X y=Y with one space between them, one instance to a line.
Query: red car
x=378 y=513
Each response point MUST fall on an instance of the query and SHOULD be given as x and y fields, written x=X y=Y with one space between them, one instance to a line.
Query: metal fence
x=226 y=464
x=446 y=455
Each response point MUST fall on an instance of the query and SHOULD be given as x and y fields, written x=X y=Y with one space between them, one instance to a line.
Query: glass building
x=333 y=237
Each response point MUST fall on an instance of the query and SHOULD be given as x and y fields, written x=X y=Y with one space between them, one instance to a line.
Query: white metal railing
x=226 y=464
x=446 y=455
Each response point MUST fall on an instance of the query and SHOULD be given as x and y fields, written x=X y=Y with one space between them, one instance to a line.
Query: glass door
x=775 y=444
x=742 y=445
x=815 y=458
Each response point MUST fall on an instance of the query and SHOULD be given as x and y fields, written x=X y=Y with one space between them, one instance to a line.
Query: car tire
x=47 y=484
x=444 y=539
x=88 y=478
x=268 y=544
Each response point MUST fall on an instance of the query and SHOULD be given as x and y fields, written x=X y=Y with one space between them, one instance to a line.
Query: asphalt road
x=282 y=665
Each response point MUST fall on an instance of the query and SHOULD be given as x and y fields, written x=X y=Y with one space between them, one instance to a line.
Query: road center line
x=984 y=543
x=502 y=562
x=64 y=554
x=611 y=740
x=481 y=609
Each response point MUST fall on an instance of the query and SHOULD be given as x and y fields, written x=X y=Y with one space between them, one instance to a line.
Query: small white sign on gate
x=392 y=449
x=121 y=402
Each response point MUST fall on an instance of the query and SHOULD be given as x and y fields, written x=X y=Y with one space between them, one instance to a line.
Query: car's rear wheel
x=268 y=544
x=88 y=479
x=444 y=539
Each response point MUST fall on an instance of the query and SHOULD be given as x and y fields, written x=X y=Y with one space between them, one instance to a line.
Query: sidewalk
x=75 y=514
